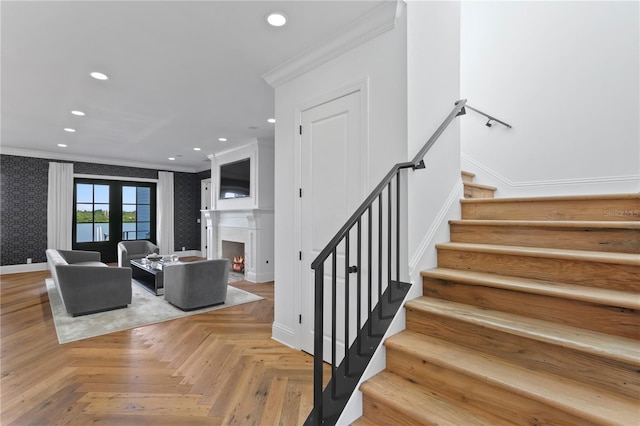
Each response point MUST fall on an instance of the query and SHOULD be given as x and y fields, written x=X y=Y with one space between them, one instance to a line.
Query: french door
x=107 y=212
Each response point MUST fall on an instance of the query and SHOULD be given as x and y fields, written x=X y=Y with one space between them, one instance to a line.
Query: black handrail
x=370 y=335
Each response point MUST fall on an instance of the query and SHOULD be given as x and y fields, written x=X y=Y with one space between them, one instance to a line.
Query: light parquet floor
x=217 y=368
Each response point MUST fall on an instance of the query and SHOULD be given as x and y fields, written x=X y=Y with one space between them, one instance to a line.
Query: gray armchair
x=194 y=285
x=134 y=250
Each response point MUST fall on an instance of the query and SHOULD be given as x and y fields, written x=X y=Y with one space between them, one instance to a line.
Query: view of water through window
x=93 y=211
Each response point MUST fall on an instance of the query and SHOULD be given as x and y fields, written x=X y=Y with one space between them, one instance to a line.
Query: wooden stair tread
x=582 y=255
x=469 y=174
x=590 y=342
x=480 y=186
x=553 y=198
x=596 y=405
x=595 y=295
x=419 y=403
x=550 y=223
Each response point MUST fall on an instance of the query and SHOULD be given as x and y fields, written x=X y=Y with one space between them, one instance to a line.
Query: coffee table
x=149 y=275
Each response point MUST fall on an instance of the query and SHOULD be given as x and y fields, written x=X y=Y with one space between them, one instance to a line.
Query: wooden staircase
x=532 y=317
x=476 y=190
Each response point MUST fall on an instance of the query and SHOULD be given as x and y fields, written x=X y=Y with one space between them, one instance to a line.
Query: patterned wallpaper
x=23 y=203
x=186 y=210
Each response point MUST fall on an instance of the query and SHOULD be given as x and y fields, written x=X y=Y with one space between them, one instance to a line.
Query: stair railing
x=377 y=279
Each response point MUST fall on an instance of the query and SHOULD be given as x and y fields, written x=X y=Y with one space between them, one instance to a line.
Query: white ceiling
x=182 y=74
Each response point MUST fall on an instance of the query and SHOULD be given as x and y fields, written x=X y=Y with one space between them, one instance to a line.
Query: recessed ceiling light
x=196 y=149
x=172 y=158
x=276 y=19
x=271 y=120
x=76 y=112
x=222 y=139
x=69 y=129
x=99 y=76
x=62 y=145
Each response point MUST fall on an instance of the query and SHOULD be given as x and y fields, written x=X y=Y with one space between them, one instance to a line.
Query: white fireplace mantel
x=253 y=228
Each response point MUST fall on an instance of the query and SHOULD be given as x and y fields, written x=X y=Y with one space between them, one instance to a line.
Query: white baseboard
x=183 y=253
x=264 y=277
x=550 y=187
x=27 y=267
x=283 y=335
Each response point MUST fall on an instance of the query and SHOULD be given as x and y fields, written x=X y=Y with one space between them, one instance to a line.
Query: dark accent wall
x=23 y=209
x=23 y=204
x=186 y=210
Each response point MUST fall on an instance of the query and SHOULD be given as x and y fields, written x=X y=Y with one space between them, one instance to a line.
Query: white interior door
x=332 y=158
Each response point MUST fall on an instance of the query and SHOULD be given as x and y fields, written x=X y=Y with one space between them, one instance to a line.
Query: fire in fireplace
x=237 y=265
x=234 y=251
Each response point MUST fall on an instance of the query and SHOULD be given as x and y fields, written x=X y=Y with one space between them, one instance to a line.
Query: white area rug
x=145 y=308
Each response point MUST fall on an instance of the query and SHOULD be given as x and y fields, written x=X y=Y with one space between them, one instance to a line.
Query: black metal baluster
x=380 y=253
x=389 y=232
x=359 y=286
x=318 y=348
x=334 y=367
x=347 y=270
x=398 y=228
x=369 y=271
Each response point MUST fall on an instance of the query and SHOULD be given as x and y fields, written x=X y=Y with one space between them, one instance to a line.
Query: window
x=107 y=212
x=92 y=213
x=136 y=213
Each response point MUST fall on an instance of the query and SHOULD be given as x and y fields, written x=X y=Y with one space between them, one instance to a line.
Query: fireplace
x=234 y=251
x=250 y=233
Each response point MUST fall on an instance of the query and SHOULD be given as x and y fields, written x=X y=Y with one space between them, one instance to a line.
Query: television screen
x=235 y=179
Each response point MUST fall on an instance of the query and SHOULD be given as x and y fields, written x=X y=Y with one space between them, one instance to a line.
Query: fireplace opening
x=234 y=251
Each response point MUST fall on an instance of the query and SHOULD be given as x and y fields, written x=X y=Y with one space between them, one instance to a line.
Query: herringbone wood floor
x=216 y=368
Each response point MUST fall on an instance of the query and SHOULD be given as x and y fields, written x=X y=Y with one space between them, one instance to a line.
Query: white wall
x=565 y=75
x=433 y=88
x=380 y=64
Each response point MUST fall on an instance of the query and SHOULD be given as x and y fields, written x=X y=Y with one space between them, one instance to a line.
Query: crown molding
x=378 y=21
x=96 y=160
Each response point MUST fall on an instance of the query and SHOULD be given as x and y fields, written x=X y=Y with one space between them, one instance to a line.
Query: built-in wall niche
x=243 y=177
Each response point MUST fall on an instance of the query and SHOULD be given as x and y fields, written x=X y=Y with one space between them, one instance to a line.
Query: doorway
x=107 y=212
x=332 y=169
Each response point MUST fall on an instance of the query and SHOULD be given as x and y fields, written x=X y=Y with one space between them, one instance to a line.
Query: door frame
x=106 y=247
x=362 y=86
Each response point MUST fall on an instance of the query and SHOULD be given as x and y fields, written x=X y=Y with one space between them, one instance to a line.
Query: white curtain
x=60 y=206
x=165 y=213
